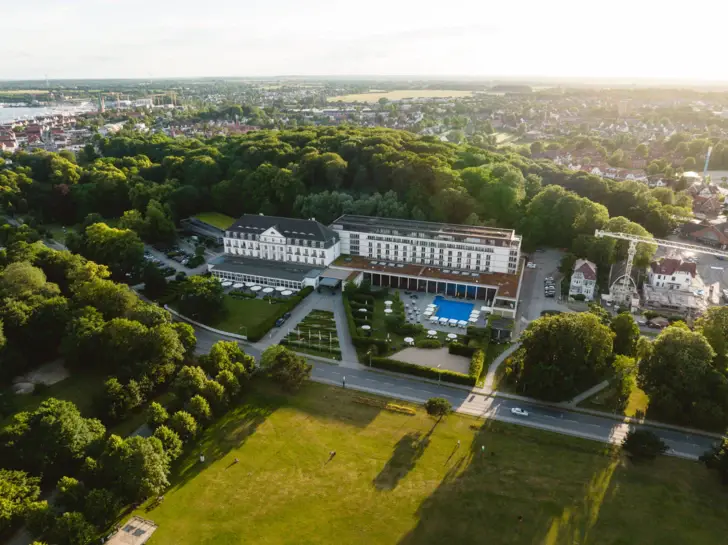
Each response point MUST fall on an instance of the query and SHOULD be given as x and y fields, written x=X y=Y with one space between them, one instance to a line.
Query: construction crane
x=705 y=168
x=623 y=291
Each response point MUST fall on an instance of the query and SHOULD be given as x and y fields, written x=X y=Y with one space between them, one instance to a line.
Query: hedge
x=460 y=349
x=258 y=331
x=242 y=295
x=476 y=364
x=420 y=371
x=428 y=343
x=303 y=344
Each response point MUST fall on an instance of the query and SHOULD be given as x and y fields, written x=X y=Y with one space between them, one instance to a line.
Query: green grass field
x=245 y=313
x=606 y=400
x=398 y=479
x=221 y=221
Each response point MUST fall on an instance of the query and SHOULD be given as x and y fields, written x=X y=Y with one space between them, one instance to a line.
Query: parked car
x=519 y=412
x=280 y=322
x=286 y=316
x=531 y=265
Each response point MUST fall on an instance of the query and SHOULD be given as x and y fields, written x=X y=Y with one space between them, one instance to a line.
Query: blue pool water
x=452 y=309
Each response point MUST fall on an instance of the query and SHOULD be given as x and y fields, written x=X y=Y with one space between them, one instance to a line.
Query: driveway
x=533 y=300
x=174 y=264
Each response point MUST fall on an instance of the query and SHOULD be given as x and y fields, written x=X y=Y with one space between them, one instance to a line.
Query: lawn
x=400 y=94
x=221 y=221
x=398 y=479
x=606 y=400
x=245 y=313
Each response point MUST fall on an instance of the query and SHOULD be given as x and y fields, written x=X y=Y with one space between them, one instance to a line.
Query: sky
x=635 y=39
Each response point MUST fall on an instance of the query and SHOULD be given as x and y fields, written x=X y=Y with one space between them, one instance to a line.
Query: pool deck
x=424 y=299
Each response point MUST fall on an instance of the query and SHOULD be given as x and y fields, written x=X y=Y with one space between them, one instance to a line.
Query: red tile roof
x=670 y=266
x=587 y=270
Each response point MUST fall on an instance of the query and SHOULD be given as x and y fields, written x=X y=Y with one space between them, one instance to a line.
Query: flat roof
x=423 y=229
x=284 y=270
x=507 y=284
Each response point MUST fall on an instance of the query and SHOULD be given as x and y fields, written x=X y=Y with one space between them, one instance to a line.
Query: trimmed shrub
x=428 y=343
x=460 y=349
x=420 y=371
x=476 y=364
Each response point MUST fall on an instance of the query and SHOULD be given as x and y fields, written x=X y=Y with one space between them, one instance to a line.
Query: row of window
x=278 y=249
x=291 y=241
x=416 y=242
x=294 y=258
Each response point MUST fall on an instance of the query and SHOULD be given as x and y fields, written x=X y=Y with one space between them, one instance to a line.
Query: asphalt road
x=560 y=421
x=566 y=422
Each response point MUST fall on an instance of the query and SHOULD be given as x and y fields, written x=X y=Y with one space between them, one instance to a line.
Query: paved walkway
x=316 y=301
x=434 y=357
x=490 y=376
x=590 y=392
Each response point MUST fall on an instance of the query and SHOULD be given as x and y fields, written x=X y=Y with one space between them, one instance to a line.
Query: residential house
x=707 y=207
x=583 y=279
x=707 y=233
x=674 y=285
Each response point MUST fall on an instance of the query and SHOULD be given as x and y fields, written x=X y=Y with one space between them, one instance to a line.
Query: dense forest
x=325 y=172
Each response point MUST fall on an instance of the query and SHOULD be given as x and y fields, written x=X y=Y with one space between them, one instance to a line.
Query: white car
x=519 y=412
x=531 y=265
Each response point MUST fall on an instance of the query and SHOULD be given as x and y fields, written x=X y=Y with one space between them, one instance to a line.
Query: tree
x=201 y=297
x=70 y=493
x=285 y=367
x=626 y=333
x=19 y=493
x=438 y=407
x=643 y=444
x=189 y=382
x=121 y=399
x=186 y=334
x=155 y=283
x=224 y=356
x=135 y=468
x=170 y=441
x=158 y=227
x=111 y=299
x=199 y=408
x=120 y=249
x=642 y=151
x=184 y=425
x=72 y=528
x=50 y=439
x=717 y=459
x=157 y=415
x=229 y=382
x=713 y=325
x=683 y=385
x=562 y=355
x=101 y=507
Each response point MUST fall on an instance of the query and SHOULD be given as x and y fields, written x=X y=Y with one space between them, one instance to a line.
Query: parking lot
x=533 y=300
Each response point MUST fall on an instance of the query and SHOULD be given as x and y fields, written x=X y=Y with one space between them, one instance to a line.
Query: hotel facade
x=471 y=262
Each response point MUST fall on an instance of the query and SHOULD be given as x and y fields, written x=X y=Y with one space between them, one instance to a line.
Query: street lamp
x=439 y=373
x=369 y=353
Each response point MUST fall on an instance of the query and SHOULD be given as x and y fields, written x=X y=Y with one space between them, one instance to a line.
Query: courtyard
x=409 y=480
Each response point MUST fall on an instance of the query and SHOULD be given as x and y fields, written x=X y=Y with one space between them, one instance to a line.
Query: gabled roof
x=670 y=266
x=288 y=227
x=587 y=268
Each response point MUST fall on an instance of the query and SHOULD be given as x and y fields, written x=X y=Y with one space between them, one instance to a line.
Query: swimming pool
x=452 y=309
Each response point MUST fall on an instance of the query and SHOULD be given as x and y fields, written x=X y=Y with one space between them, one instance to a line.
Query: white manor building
x=463 y=261
x=275 y=251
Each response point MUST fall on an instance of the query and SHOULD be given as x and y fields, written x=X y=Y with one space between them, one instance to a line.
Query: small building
x=583 y=279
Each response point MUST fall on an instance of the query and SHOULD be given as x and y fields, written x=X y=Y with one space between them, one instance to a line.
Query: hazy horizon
x=565 y=40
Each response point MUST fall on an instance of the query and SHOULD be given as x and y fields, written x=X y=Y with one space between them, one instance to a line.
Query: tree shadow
x=407 y=451
x=502 y=490
x=222 y=436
